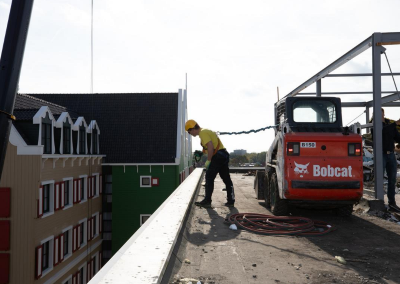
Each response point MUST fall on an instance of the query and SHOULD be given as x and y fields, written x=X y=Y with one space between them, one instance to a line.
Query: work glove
x=207 y=164
x=197 y=155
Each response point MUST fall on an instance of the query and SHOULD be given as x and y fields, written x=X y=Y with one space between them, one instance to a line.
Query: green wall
x=130 y=200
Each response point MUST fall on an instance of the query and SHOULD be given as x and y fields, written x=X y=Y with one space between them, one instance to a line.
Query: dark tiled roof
x=135 y=128
x=27 y=106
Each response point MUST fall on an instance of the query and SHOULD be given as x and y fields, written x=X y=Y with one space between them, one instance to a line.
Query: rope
x=356 y=117
x=246 y=132
x=279 y=225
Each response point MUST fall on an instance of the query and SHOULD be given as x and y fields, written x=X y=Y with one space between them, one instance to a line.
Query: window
x=82 y=188
x=67 y=138
x=46 y=202
x=82 y=233
x=82 y=140
x=46 y=198
x=46 y=134
x=65 y=240
x=144 y=218
x=66 y=243
x=95 y=185
x=95 y=225
x=66 y=192
x=45 y=256
x=145 y=181
x=81 y=276
x=311 y=111
x=94 y=265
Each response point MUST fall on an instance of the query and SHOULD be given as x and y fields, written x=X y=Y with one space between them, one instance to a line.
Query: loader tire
x=345 y=211
x=279 y=207
x=266 y=191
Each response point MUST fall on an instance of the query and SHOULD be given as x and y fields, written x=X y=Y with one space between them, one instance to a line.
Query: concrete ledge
x=145 y=256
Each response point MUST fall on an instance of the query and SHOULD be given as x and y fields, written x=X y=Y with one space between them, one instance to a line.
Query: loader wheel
x=279 y=207
x=266 y=192
x=345 y=211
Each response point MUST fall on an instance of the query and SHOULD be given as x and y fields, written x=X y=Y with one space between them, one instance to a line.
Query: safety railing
x=145 y=256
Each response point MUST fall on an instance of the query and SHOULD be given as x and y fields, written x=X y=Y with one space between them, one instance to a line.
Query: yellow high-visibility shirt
x=206 y=136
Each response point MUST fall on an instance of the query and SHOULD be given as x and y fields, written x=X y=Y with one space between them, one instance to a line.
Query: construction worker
x=390 y=134
x=217 y=162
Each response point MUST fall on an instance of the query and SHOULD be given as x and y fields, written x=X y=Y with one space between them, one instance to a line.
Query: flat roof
x=216 y=254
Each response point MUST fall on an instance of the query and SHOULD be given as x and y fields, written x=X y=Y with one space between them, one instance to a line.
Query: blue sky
x=235 y=53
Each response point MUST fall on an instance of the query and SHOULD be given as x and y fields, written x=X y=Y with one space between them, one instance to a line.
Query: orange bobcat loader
x=313 y=161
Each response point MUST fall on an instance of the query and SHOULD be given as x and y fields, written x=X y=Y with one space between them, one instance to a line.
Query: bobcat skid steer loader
x=313 y=160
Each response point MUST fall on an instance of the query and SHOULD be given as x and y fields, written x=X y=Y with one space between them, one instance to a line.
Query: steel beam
x=336 y=64
x=385 y=100
x=389 y=39
x=360 y=75
x=364 y=104
x=354 y=104
x=377 y=103
x=10 y=66
x=345 y=93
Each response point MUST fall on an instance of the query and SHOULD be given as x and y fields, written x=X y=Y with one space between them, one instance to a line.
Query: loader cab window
x=311 y=111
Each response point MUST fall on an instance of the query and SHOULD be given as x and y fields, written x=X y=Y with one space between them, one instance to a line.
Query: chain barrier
x=246 y=132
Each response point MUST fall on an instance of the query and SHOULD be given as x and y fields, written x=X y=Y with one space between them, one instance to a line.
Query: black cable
x=246 y=132
x=356 y=117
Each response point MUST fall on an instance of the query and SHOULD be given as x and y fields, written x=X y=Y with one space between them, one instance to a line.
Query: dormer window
x=94 y=141
x=82 y=139
x=67 y=138
x=46 y=134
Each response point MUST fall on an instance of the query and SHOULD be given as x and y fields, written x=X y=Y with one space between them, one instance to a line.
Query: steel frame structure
x=376 y=41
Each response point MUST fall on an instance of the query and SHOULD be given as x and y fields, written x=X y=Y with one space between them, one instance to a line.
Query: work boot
x=230 y=203
x=394 y=207
x=204 y=203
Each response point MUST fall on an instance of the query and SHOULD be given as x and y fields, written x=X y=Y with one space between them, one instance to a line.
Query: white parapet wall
x=145 y=256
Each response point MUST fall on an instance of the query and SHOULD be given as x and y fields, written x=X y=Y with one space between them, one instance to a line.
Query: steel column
x=318 y=84
x=10 y=66
x=376 y=83
x=367 y=117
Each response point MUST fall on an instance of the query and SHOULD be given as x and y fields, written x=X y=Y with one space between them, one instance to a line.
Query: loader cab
x=310 y=114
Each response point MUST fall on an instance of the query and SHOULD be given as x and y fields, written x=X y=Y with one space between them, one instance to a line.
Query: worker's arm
x=210 y=150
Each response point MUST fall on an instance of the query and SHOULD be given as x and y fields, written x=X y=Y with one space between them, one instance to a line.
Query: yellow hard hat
x=190 y=124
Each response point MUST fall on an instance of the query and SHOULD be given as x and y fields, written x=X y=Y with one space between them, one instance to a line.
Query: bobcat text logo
x=331 y=171
x=300 y=169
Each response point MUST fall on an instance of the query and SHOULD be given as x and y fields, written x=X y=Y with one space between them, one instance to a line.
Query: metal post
x=367 y=117
x=10 y=66
x=318 y=83
x=377 y=104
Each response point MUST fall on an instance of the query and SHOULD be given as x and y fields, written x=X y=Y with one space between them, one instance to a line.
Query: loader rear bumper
x=325 y=194
x=325 y=184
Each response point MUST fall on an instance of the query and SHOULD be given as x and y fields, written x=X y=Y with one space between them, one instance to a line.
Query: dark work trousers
x=219 y=165
x=390 y=165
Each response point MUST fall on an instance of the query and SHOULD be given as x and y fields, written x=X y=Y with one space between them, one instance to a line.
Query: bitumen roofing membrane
x=212 y=253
